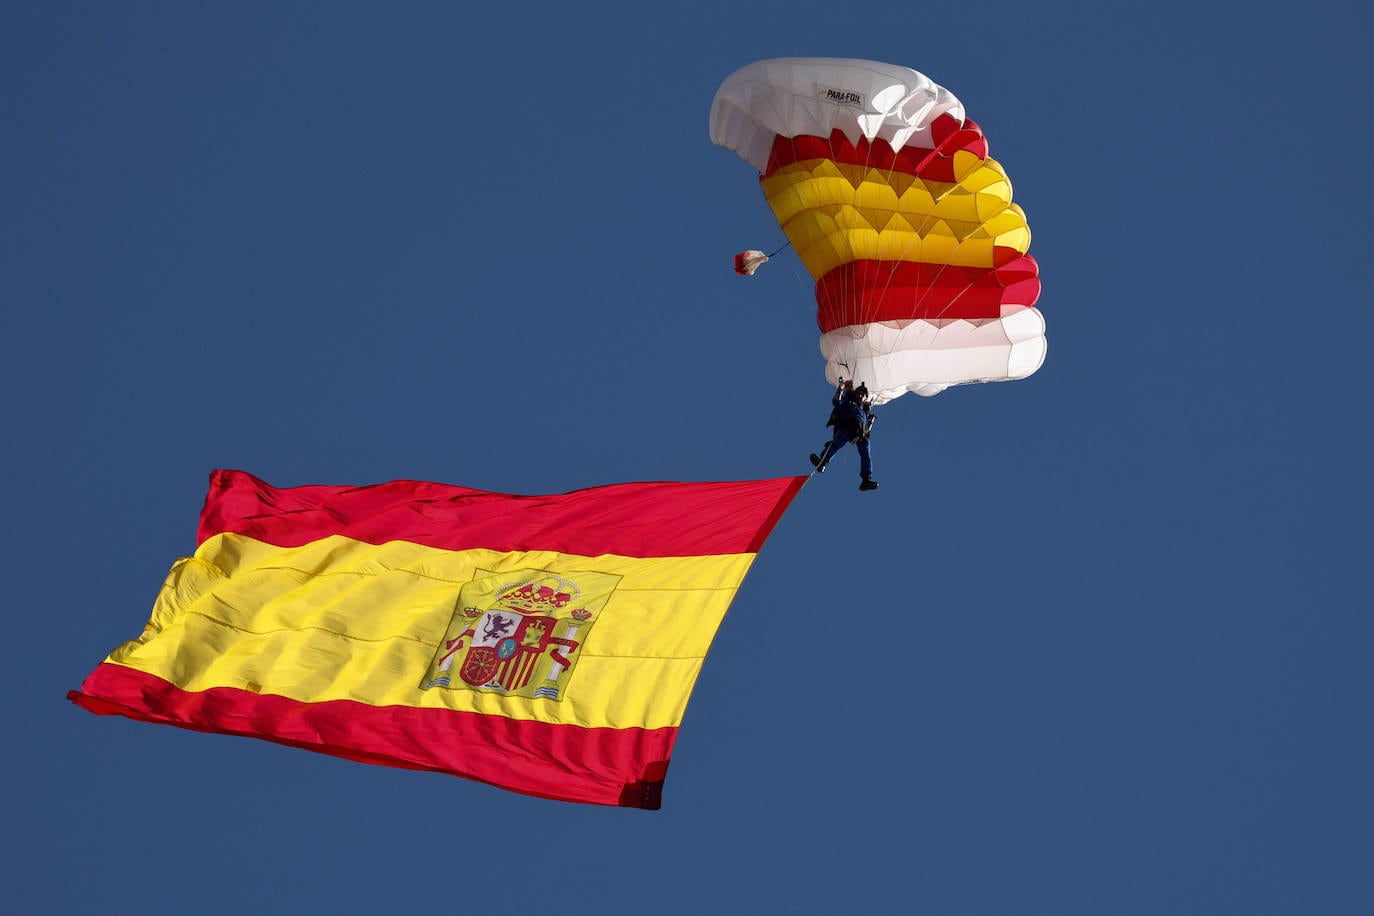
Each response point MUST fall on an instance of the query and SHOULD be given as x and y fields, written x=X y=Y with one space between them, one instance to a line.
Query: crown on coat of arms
x=549 y=594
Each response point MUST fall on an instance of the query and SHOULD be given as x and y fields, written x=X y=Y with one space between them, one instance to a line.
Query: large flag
x=543 y=644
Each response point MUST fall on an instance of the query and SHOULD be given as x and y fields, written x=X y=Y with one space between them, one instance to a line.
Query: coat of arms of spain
x=519 y=633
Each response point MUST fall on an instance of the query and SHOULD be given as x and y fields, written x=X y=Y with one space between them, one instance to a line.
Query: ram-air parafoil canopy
x=886 y=191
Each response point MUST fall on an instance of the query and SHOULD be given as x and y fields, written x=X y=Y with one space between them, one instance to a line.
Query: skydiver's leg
x=865 y=458
x=837 y=442
x=834 y=445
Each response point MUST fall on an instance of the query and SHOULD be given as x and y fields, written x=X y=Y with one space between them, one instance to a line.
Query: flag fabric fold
x=543 y=644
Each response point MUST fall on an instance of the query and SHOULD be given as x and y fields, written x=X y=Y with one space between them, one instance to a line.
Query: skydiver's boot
x=819 y=462
x=868 y=484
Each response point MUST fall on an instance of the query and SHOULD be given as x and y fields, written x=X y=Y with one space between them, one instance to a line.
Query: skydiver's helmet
x=860 y=393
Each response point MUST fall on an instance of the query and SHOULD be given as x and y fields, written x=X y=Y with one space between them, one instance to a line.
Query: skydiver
x=851 y=414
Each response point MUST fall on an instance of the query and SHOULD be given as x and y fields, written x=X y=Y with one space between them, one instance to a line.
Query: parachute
x=746 y=262
x=885 y=189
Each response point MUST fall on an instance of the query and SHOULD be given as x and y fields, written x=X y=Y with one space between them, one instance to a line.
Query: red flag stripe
x=564 y=762
x=631 y=519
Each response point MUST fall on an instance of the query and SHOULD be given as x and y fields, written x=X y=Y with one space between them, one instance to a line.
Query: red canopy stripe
x=863 y=292
x=929 y=164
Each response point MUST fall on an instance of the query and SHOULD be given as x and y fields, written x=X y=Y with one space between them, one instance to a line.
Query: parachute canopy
x=746 y=262
x=885 y=189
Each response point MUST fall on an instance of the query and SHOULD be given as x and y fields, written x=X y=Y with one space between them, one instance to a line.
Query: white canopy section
x=889 y=355
x=794 y=96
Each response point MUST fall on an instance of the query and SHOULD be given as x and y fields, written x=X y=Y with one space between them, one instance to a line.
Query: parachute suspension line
x=786 y=243
x=868 y=313
x=863 y=309
x=919 y=233
x=892 y=271
x=846 y=294
x=800 y=273
x=803 y=279
x=895 y=262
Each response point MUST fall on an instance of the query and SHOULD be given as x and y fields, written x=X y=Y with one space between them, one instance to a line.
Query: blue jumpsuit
x=848 y=418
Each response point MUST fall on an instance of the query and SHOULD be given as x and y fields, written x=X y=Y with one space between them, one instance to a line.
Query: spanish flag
x=544 y=644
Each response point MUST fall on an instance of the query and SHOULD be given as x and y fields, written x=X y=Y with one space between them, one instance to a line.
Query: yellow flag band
x=338 y=619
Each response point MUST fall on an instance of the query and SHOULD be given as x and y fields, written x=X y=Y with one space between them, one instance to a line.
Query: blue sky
x=1100 y=644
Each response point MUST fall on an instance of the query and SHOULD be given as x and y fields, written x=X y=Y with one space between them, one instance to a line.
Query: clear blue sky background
x=1101 y=644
